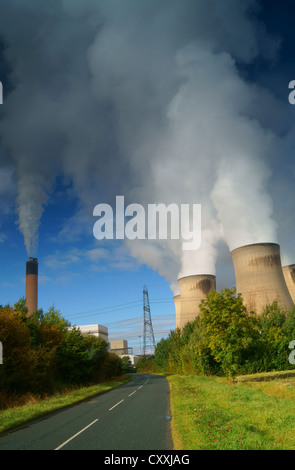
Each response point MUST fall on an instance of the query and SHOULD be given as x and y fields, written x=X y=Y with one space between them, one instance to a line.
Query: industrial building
x=259 y=276
x=260 y=279
x=289 y=274
x=192 y=290
x=95 y=330
x=119 y=346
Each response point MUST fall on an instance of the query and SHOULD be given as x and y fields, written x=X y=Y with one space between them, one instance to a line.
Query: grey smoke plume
x=143 y=99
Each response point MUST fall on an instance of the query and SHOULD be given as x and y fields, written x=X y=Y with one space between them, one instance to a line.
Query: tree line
x=43 y=353
x=226 y=340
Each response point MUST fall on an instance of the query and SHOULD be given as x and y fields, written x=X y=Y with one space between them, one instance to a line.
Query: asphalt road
x=135 y=416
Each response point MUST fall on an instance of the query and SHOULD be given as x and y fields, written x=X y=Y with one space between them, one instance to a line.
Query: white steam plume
x=143 y=99
x=30 y=209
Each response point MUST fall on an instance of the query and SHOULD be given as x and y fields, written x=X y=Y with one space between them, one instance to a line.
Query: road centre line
x=84 y=429
x=75 y=435
x=116 y=405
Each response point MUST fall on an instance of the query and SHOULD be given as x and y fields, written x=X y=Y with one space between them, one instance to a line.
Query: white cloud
x=63 y=258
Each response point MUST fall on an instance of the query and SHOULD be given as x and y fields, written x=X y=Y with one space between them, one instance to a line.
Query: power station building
x=259 y=276
x=289 y=274
x=260 y=279
x=119 y=346
x=192 y=290
x=95 y=330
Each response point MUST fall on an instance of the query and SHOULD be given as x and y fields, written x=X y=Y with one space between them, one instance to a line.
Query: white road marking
x=84 y=429
x=75 y=435
x=116 y=405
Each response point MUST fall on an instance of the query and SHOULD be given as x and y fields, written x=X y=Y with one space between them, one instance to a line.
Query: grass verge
x=19 y=415
x=211 y=414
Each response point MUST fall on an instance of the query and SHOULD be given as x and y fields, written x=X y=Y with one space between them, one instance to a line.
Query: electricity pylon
x=148 y=333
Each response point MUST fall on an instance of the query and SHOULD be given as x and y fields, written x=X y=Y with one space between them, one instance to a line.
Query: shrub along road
x=135 y=416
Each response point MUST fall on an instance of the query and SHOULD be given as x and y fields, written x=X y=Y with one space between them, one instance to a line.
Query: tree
x=202 y=357
x=19 y=358
x=228 y=331
x=41 y=353
x=20 y=308
x=80 y=357
x=147 y=364
x=126 y=364
x=162 y=352
x=289 y=324
x=277 y=328
x=54 y=317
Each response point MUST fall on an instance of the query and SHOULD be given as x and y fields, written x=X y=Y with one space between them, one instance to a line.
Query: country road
x=135 y=416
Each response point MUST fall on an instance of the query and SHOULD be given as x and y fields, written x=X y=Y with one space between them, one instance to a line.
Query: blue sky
x=162 y=102
x=89 y=281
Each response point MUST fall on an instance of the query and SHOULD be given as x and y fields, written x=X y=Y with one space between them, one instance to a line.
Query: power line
x=114 y=308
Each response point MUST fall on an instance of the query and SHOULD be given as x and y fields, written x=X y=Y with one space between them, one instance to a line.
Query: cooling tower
x=177 y=305
x=289 y=274
x=32 y=285
x=192 y=290
x=259 y=276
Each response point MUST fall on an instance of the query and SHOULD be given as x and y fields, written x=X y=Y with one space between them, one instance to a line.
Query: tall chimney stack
x=32 y=285
x=259 y=276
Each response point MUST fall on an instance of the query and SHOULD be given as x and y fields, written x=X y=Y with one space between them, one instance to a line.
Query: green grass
x=19 y=415
x=211 y=414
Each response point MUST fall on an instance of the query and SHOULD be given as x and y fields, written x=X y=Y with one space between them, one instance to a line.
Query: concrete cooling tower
x=289 y=274
x=177 y=305
x=32 y=285
x=192 y=290
x=259 y=276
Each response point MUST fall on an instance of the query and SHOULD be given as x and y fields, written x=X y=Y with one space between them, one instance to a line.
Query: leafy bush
x=226 y=340
x=112 y=366
x=228 y=331
x=19 y=357
x=277 y=330
x=147 y=365
x=80 y=357
x=41 y=352
x=126 y=365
